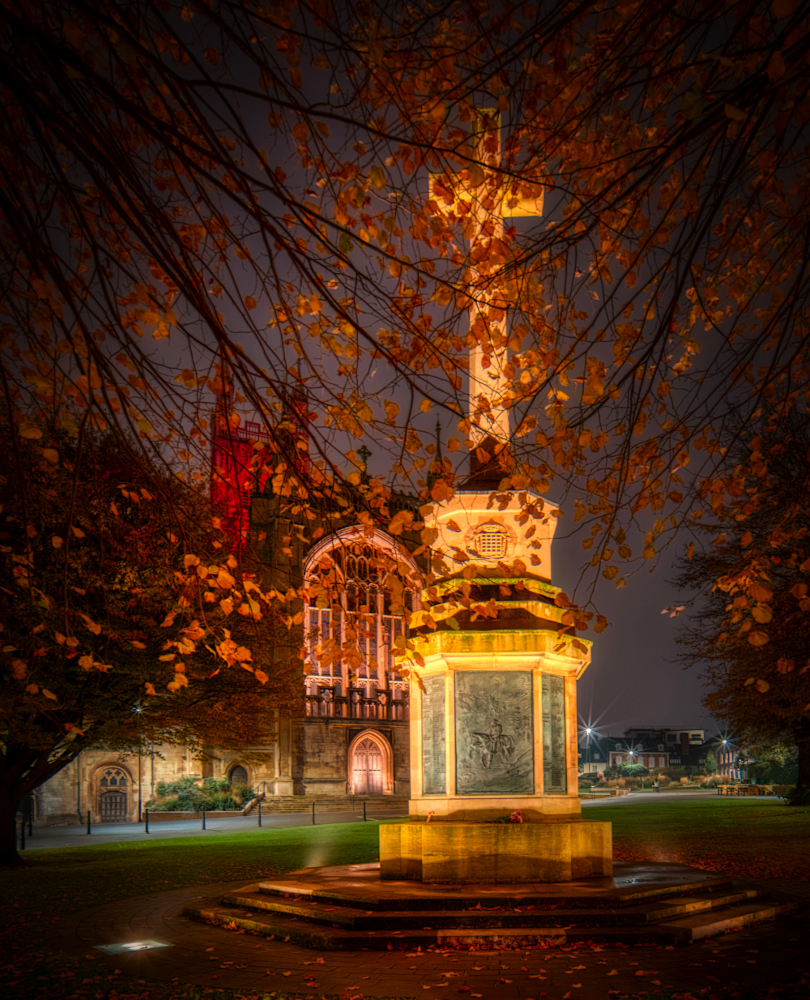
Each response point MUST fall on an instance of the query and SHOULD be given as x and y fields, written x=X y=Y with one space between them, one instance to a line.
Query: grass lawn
x=751 y=838
x=755 y=840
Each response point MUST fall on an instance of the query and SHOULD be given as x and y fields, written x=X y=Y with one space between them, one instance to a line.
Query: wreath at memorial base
x=515 y=817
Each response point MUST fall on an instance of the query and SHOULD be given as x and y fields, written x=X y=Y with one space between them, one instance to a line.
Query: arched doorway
x=113 y=795
x=238 y=775
x=370 y=765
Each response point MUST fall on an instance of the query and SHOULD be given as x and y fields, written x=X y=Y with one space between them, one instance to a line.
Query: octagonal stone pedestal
x=550 y=851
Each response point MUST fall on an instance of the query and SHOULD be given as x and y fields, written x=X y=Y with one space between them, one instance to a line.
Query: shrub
x=242 y=792
x=211 y=785
x=187 y=795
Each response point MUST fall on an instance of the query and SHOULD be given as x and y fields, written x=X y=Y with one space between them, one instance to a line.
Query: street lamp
x=138 y=710
x=588 y=732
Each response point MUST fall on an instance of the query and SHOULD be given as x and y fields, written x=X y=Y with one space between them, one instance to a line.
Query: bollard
x=88 y=822
x=313 y=814
x=260 y=813
x=22 y=835
x=146 y=821
x=364 y=810
x=203 y=819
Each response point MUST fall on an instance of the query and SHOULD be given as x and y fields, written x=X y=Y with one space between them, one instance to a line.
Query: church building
x=352 y=737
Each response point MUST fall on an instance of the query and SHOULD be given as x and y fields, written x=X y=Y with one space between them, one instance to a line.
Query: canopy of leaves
x=330 y=196
x=747 y=631
x=111 y=636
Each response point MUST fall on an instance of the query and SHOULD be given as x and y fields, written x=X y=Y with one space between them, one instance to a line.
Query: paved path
x=117 y=833
x=210 y=957
x=687 y=796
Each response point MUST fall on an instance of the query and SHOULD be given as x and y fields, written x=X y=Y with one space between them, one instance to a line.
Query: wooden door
x=113 y=807
x=367 y=772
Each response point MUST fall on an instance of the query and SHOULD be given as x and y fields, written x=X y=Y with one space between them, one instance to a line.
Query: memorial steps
x=350 y=909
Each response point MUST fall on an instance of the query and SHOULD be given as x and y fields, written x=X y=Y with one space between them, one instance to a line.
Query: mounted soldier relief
x=494 y=737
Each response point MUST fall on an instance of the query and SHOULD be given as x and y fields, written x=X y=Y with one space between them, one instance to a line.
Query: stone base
x=559 y=851
x=348 y=908
x=481 y=808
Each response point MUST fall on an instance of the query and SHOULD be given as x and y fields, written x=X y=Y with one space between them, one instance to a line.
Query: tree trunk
x=9 y=803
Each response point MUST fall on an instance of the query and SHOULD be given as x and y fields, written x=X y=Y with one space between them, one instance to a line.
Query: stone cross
x=483 y=197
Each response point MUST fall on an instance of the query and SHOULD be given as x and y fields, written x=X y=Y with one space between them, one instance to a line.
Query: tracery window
x=113 y=777
x=350 y=644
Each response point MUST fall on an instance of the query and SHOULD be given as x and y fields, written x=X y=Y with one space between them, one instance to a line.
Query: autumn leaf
x=441 y=491
x=759 y=592
x=758 y=638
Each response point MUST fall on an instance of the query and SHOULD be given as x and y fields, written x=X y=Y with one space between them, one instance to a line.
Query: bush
x=211 y=785
x=187 y=795
x=242 y=792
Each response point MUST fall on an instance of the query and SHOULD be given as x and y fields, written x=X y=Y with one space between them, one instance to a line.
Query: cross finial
x=480 y=196
x=365 y=455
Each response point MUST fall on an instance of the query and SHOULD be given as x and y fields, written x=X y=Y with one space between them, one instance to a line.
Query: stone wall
x=311 y=762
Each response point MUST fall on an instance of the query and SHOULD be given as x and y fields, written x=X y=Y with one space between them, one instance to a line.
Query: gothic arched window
x=113 y=777
x=359 y=592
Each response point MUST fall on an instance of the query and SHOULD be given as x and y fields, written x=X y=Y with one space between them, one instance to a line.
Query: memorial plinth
x=493 y=716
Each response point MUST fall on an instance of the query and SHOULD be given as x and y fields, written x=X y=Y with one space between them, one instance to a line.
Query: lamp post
x=588 y=732
x=138 y=710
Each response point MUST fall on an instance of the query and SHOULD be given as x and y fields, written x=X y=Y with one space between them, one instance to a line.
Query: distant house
x=593 y=754
x=648 y=751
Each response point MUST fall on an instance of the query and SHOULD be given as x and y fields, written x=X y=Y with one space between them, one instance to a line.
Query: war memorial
x=495 y=852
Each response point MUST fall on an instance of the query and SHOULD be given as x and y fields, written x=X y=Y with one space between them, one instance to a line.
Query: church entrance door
x=367 y=770
x=113 y=807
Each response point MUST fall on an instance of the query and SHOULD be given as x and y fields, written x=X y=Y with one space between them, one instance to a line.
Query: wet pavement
x=206 y=956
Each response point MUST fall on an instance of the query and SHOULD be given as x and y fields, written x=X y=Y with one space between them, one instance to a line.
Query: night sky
x=633 y=679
